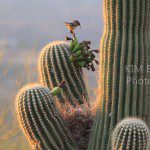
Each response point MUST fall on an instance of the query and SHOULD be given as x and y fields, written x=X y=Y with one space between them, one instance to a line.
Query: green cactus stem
x=40 y=120
x=125 y=47
x=55 y=66
x=131 y=134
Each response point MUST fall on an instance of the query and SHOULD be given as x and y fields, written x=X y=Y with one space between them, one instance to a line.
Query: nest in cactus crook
x=79 y=120
x=81 y=54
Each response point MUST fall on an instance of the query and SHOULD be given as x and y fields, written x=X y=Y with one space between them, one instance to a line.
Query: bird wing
x=71 y=24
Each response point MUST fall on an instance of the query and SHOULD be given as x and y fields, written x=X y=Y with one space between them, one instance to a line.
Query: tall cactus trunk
x=125 y=44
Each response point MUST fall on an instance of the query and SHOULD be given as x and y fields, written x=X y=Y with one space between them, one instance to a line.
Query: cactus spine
x=40 y=119
x=125 y=42
x=131 y=134
x=55 y=66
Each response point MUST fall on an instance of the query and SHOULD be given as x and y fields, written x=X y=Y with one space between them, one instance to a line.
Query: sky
x=32 y=23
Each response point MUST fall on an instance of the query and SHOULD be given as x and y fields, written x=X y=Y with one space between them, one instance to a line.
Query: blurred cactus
x=40 y=119
x=131 y=134
x=124 y=57
x=55 y=67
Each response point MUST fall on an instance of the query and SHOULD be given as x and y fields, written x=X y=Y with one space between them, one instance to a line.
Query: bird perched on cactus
x=71 y=26
x=81 y=54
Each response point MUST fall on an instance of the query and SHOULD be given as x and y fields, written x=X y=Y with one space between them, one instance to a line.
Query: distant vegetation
x=12 y=77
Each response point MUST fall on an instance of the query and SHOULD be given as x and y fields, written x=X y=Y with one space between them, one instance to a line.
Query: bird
x=71 y=26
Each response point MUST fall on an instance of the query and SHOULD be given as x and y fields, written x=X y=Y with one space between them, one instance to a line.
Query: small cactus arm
x=131 y=134
x=124 y=57
x=40 y=119
x=55 y=66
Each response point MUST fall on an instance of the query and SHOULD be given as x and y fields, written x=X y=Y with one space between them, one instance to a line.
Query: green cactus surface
x=124 y=59
x=131 y=134
x=55 y=66
x=40 y=120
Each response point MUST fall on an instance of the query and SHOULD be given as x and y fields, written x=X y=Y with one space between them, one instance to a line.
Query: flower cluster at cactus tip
x=81 y=53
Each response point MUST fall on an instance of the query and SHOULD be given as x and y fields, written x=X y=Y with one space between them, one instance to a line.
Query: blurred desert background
x=25 y=27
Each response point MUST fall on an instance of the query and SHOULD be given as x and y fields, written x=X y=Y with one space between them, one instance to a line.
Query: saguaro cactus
x=124 y=45
x=55 y=66
x=131 y=133
x=40 y=119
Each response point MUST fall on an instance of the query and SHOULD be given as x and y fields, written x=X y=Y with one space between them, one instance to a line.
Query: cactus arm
x=41 y=121
x=55 y=59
